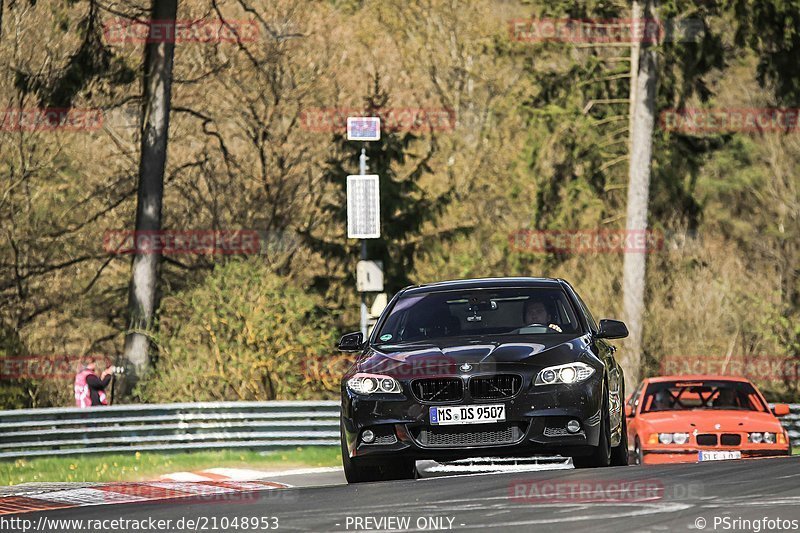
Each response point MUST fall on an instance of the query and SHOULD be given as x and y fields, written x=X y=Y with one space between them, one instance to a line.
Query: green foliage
x=772 y=29
x=527 y=151
x=244 y=333
x=149 y=465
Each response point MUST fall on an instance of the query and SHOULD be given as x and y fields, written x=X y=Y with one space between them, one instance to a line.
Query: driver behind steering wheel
x=535 y=313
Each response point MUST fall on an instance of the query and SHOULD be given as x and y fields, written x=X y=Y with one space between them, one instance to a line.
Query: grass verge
x=148 y=466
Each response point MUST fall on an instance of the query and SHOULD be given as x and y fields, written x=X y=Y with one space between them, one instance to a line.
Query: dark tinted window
x=589 y=316
x=703 y=394
x=506 y=311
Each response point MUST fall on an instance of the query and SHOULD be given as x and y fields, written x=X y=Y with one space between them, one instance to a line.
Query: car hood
x=445 y=356
x=711 y=420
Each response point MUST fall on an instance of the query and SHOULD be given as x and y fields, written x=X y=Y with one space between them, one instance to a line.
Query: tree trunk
x=644 y=79
x=142 y=296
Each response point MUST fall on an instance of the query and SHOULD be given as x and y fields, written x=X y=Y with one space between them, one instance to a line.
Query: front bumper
x=403 y=426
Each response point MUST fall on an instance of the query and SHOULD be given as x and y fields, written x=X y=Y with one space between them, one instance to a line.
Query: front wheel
x=601 y=455
x=354 y=471
x=619 y=453
x=358 y=471
x=638 y=456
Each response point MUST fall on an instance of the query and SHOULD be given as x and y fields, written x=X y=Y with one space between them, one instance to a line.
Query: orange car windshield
x=685 y=395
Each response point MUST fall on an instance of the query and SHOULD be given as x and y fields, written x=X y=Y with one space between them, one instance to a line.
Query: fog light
x=368 y=436
x=573 y=426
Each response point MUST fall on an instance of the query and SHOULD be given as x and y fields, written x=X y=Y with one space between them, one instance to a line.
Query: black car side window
x=589 y=317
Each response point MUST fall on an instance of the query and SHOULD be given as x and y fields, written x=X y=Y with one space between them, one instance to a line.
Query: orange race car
x=679 y=419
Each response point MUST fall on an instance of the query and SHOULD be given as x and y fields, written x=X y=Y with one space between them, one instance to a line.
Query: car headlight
x=755 y=438
x=769 y=438
x=373 y=384
x=672 y=438
x=680 y=438
x=567 y=374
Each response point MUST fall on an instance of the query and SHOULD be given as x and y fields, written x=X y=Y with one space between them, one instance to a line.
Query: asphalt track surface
x=645 y=498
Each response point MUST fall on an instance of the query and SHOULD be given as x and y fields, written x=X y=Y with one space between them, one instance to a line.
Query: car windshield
x=686 y=395
x=505 y=311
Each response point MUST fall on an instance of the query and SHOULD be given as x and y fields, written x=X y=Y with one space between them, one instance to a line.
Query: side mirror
x=351 y=342
x=612 y=329
x=628 y=410
x=780 y=409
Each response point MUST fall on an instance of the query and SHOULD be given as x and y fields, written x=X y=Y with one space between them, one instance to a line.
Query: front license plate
x=718 y=456
x=467 y=414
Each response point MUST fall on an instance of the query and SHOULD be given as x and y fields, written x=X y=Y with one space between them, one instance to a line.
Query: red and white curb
x=243 y=474
x=114 y=493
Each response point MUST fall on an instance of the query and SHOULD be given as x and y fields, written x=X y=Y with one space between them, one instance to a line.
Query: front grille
x=494 y=387
x=730 y=439
x=438 y=389
x=707 y=439
x=444 y=437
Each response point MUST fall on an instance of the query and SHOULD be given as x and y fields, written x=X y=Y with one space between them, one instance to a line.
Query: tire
x=601 y=454
x=619 y=453
x=358 y=471
x=354 y=470
x=638 y=456
x=399 y=469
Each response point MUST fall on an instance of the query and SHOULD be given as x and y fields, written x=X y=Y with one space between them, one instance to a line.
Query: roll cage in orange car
x=675 y=396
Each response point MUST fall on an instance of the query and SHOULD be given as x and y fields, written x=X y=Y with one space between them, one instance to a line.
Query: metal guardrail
x=168 y=427
x=792 y=424
x=187 y=426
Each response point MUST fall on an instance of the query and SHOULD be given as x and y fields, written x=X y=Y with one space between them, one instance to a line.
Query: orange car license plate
x=718 y=455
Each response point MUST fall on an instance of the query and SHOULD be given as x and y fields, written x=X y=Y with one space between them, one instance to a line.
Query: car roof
x=484 y=283
x=697 y=377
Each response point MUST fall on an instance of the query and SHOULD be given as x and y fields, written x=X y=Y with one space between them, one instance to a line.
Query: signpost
x=369 y=276
x=363 y=128
x=363 y=207
x=363 y=211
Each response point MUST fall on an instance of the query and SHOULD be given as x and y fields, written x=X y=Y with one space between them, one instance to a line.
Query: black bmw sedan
x=483 y=367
